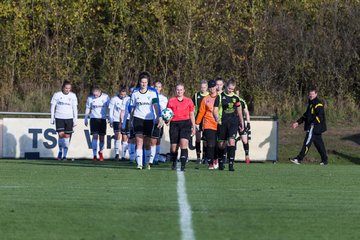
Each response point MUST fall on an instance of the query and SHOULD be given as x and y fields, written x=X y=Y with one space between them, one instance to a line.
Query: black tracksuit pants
x=319 y=145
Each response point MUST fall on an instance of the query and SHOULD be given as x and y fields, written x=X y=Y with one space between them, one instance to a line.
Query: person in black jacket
x=314 y=125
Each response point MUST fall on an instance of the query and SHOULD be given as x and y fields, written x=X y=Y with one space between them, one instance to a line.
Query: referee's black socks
x=183 y=157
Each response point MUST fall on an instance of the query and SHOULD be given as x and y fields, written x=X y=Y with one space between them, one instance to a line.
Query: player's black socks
x=246 y=149
x=220 y=155
x=231 y=154
x=198 y=149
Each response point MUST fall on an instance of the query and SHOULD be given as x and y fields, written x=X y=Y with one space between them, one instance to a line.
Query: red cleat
x=211 y=166
x=101 y=157
x=247 y=160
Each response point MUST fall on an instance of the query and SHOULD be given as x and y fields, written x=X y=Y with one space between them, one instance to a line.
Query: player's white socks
x=116 y=147
x=66 y=146
x=157 y=155
x=101 y=145
x=132 y=151
x=124 y=147
x=94 y=144
x=152 y=154
x=139 y=157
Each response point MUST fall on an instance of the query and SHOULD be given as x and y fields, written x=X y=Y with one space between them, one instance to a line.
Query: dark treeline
x=273 y=49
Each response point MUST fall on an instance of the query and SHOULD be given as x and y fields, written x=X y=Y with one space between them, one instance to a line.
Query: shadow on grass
x=90 y=164
x=352 y=159
x=354 y=138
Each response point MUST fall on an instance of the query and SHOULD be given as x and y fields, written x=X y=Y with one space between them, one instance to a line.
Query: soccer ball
x=167 y=114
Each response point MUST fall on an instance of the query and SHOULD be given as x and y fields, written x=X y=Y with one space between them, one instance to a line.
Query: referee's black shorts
x=64 y=125
x=179 y=130
x=98 y=126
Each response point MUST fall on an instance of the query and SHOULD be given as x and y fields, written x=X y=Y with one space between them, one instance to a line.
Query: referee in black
x=314 y=125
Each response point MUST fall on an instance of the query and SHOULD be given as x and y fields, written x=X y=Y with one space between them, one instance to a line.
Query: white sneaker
x=139 y=167
x=295 y=161
x=216 y=164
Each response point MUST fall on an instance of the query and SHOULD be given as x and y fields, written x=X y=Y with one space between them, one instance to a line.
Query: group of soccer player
x=215 y=116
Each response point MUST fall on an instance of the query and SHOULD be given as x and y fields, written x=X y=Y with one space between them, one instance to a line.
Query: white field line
x=187 y=232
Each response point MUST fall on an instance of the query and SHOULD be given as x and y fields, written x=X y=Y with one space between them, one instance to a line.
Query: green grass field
x=47 y=199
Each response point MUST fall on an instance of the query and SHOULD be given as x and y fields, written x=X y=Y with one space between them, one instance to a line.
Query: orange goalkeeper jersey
x=205 y=113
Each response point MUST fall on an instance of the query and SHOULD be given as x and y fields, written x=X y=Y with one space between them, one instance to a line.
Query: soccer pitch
x=47 y=199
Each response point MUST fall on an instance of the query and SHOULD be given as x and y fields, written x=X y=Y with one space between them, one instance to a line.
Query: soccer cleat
x=211 y=166
x=148 y=166
x=123 y=159
x=231 y=167
x=101 y=156
x=59 y=156
x=116 y=157
x=95 y=158
x=247 y=159
x=323 y=163
x=294 y=160
x=64 y=159
x=216 y=164
x=182 y=168
x=139 y=167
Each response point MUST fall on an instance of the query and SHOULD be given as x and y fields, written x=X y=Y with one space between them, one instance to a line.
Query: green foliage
x=274 y=49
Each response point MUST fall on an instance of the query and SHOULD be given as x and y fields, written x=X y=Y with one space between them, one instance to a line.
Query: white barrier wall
x=22 y=135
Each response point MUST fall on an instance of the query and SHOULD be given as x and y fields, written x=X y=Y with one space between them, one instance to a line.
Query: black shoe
x=173 y=166
x=324 y=163
x=64 y=159
x=116 y=158
x=221 y=166
x=231 y=168
x=123 y=159
x=182 y=168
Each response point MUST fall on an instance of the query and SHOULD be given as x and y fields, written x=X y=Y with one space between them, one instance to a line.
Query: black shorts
x=116 y=127
x=179 y=130
x=228 y=129
x=126 y=130
x=98 y=126
x=142 y=126
x=64 y=125
x=210 y=136
x=157 y=132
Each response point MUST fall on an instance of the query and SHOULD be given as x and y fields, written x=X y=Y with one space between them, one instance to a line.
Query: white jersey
x=162 y=101
x=115 y=108
x=143 y=103
x=65 y=105
x=126 y=107
x=97 y=106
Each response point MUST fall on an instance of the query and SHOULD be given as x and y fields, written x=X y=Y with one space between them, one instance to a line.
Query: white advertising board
x=37 y=135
